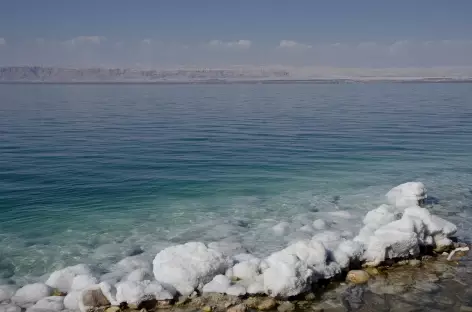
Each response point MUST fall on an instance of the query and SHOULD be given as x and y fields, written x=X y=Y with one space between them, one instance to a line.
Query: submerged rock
x=267 y=304
x=50 y=304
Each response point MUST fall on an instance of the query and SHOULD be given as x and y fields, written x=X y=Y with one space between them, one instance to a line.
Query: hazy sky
x=349 y=33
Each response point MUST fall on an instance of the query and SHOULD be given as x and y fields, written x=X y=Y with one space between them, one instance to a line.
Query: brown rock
x=357 y=277
x=267 y=304
x=252 y=302
x=286 y=307
x=94 y=297
x=238 y=308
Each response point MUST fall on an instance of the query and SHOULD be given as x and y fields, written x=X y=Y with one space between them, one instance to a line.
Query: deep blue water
x=92 y=173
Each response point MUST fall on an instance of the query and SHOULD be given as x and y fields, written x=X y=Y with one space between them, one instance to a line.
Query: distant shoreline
x=225 y=82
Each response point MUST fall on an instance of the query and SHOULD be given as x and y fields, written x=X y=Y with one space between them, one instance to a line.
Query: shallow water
x=93 y=173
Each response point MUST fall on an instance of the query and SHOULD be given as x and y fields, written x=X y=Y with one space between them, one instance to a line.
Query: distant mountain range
x=36 y=74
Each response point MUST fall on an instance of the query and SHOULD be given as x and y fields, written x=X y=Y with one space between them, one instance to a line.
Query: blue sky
x=349 y=33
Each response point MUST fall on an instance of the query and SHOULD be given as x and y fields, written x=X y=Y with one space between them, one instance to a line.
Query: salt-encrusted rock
x=6 y=292
x=81 y=282
x=31 y=293
x=287 y=275
x=281 y=229
x=357 y=277
x=49 y=304
x=435 y=226
x=311 y=252
x=236 y=290
x=219 y=284
x=319 y=224
x=244 y=257
x=407 y=195
x=62 y=279
x=92 y=297
x=394 y=240
x=329 y=239
x=307 y=228
x=109 y=291
x=382 y=215
x=9 y=308
x=245 y=270
x=256 y=286
x=347 y=252
x=188 y=267
x=71 y=300
x=134 y=292
x=138 y=275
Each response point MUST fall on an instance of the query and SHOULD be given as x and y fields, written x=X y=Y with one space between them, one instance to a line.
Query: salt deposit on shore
x=401 y=229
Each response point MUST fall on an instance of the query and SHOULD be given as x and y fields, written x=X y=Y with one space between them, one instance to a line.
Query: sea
x=92 y=173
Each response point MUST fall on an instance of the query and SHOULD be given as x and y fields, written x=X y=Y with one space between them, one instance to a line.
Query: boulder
x=9 y=308
x=236 y=290
x=286 y=276
x=138 y=275
x=189 y=266
x=407 y=195
x=81 y=282
x=6 y=292
x=91 y=298
x=245 y=270
x=135 y=292
x=62 y=279
x=71 y=300
x=219 y=284
x=49 y=304
x=31 y=294
x=394 y=240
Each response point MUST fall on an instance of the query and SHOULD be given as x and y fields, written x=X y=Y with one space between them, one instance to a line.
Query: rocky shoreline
x=402 y=249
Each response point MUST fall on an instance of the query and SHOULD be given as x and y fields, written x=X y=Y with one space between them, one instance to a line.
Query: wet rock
x=352 y=298
x=465 y=309
x=414 y=263
x=113 y=309
x=310 y=297
x=238 y=308
x=426 y=287
x=286 y=307
x=253 y=302
x=382 y=287
x=207 y=309
x=357 y=277
x=267 y=304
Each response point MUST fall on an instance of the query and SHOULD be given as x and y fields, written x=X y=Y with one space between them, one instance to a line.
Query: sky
x=219 y=33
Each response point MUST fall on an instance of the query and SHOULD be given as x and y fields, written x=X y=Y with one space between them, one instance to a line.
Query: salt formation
x=188 y=267
x=398 y=230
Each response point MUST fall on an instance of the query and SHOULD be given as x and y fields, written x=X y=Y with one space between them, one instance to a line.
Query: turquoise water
x=93 y=173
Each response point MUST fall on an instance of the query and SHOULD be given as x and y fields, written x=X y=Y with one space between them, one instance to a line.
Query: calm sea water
x=93 y=173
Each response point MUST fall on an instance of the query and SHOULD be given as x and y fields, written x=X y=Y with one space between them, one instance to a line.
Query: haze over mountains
x=230 y=74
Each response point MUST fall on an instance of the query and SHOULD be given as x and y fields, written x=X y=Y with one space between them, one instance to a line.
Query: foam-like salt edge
x=395 y=230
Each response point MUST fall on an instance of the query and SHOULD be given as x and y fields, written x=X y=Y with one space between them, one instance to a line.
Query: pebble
x=357 y=277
